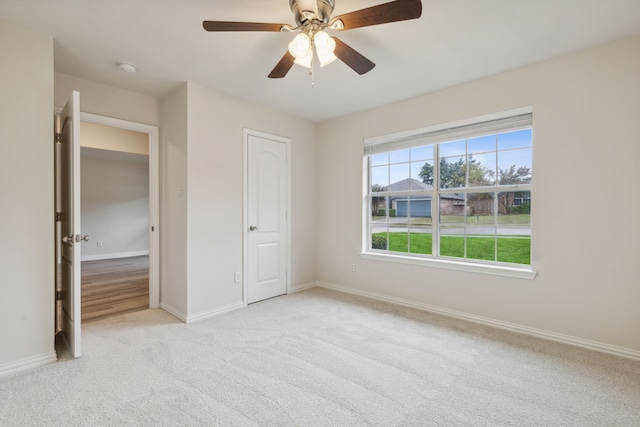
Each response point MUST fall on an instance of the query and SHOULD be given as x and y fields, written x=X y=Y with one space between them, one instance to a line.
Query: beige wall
x=585 y=112
x=27 y=226
x=114 y=139
x=211 y=175
x=108 y=101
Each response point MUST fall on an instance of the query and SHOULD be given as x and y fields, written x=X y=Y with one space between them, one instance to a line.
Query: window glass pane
x=421 y=171
x=380 y=159
x=481 y=247
x=452 y=225
x=397 y=237
x=481 y=226
x=516 y=139
x=481 y=144
x=419 y=224
x=482 y=169
x=379 y=239
x=399 y=156
x=452 y=172
x=379 y=178
x=514 y=227
x=399 y=175
x=379 y=205
x=454 y=148
x=422 y=153
x=378 y=222
x=514 y=166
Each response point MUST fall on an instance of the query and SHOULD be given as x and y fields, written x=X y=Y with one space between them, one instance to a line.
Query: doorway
x=153 y=136
x=68 y=235
x=114 y=183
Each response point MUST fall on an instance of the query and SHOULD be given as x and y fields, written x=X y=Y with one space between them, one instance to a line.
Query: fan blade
x=282 y=68
x=241 y=26
x=399 y=10
x=352 y=58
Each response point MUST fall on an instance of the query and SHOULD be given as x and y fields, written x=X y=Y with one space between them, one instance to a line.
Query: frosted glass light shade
x=300 y=45
x=305 y=61
x=325 y=46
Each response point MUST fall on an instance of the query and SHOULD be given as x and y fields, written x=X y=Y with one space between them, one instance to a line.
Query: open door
x=69 y=218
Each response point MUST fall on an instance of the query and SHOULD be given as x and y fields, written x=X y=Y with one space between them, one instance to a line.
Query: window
x=459 y=193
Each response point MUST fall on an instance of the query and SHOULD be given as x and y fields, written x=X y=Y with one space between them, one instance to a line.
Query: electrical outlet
x=237 y=277
x=353 y=266
x=99 y=243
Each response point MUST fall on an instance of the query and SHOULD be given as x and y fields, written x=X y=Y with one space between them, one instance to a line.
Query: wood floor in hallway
x=114 y=286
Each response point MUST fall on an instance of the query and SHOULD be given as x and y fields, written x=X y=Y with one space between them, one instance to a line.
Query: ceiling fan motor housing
x=321 y=12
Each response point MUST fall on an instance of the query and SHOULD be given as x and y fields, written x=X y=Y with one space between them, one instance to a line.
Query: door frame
x=245 y=209
x=154 y=194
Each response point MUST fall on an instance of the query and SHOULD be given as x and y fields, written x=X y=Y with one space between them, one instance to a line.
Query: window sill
x=496 y=270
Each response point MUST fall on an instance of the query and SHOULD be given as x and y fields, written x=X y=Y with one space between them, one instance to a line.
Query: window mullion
x=435 y=204
x=464 y=216
x=496 y=212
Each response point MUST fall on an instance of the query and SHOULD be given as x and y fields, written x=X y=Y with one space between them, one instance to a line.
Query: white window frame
x=400 y=140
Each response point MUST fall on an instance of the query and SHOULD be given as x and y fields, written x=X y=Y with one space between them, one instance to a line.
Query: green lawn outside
x=511 y=249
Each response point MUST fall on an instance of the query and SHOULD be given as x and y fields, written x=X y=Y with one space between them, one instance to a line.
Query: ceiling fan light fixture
x=305 y=61
x=300 y=45
x=325 y=46
x=326 y=59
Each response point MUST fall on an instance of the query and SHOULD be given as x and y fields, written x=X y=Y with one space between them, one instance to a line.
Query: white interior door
x=267 y=201
x=70 y=222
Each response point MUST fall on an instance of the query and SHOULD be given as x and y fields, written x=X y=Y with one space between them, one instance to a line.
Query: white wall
x=173 y=218
x=115 y=203
x=27 y=256
x=213 y=170
x=586 y=231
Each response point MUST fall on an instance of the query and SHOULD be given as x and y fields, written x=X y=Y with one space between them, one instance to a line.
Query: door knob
x=67 y=239
x=85 y=238
x=253 y=228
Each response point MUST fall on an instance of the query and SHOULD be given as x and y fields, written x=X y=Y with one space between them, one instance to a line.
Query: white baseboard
x=113 y=256
x=27 y=364
x=298 y=288
x=203 y=314
x=513 y=327
x=173 y=311
x=215 y=312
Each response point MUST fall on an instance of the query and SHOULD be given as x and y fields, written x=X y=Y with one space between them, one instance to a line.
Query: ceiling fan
x=312 y=18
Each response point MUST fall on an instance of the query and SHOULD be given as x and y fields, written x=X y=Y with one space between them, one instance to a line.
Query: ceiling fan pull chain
x=313 y=83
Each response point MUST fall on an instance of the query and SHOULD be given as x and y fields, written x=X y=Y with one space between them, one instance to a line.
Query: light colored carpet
x=321 y=358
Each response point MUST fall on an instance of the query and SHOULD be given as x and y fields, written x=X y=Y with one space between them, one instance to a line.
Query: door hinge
x=59 y=295
x=58 y=216
x=58 y=137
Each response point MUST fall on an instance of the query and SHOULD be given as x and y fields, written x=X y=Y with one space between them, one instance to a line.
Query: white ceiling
x=454 y=41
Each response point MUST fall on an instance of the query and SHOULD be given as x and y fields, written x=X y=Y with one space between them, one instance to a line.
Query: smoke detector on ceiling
x=127 y=67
